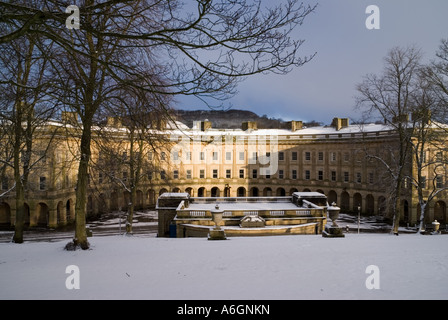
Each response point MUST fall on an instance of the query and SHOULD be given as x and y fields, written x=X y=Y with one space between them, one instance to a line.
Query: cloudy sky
x=346 y=51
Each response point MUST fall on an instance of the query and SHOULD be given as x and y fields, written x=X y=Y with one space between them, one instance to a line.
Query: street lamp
x=359 y=216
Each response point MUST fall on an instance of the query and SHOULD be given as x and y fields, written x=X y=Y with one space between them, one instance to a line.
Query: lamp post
x=359 y=216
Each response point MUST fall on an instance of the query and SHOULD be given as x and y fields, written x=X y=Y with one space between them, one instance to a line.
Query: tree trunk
x=421 y=227
x=20 y=214
x=81 y=189
x=131 y=212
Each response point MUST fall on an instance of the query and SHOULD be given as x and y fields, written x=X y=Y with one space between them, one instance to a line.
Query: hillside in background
x=232 y=119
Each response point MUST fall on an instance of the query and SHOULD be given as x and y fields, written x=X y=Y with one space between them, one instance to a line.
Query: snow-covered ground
x=410 y=266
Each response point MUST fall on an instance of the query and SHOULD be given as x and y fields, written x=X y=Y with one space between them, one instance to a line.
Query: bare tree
x=203 y=48
x=23 y=111
x=428 y=142
x=388 y=96
x=127 y=153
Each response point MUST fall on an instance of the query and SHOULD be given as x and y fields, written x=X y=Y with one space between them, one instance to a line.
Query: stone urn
x=217 y=217
x=217 y=233
x=436 y=225
x=333 y=213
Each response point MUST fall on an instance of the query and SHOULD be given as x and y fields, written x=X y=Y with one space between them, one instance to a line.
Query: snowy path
x=283 y=267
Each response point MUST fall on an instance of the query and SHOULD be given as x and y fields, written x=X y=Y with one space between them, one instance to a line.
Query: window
x=307 y=175
x=308 y=156
x=202 y=173
x=254 y=156
x=439 y=181
x=281 y=156
x=439 y=156
x=241 y=173
x=333 y=156
x=228 y=155
x=215 y=156
x=371 y=178
x=228 y=173
x=280 y=174
x=201 y=155
x=188 y=174
x=163 y=155
x=333 y=175
x=215 y=173
x=294 y=174
x=424 y=157
x=150 y=155
x=320 y=156
x=254 y=173
x=423 y=182
x=358 y=177
x=175 y=155
x=42 y=183
x=188 y=155
x=346 y=156
x=149 y=175
x=294 y=156
x=346 y=176
x=241 y=155
x=162 y=175
x=320 y=175
x=176 y=174
x=100 y=177
x=124 y=156
x=4 y=183
x=125 y=175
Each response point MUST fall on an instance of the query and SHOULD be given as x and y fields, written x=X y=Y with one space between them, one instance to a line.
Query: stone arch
x=267 y=192
x=5 y=214
x=176 y=190
x=345 y=201
x=357 y=201
x=382 y=205
x=306 y=190
x=293 y=190
x=162 y=191
x=42 y=214
x=440 y=211
x=69 y=214
x=281 y=192
x=254 y=192
x=102 y=203
x=114 y=201
x=215 y=192
x=126 y=200
x=241 y=192
x=332 y=197
x=320 y=191
x=202 y=192
x=60 y=212
x=190 y=191
x=139 y=200
x=405 y=210
x=89 y=205
x=370 y=204
x=151 y=195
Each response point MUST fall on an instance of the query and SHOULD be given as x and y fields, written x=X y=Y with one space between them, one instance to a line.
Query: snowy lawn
x=281 y=267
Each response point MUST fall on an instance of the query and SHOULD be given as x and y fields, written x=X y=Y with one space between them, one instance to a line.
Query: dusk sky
x=346 y=51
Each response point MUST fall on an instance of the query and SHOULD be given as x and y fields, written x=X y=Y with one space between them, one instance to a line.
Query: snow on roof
x=243 y=206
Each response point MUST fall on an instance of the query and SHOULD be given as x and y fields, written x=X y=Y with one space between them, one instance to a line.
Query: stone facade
x=208 y=162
